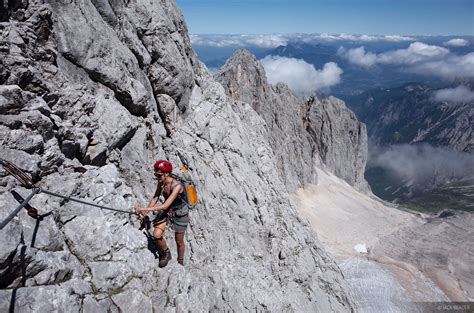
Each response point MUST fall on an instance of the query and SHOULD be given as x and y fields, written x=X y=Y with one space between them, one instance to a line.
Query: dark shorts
x=178 y=224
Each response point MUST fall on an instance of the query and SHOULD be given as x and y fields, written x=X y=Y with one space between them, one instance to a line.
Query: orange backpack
x=183 y=175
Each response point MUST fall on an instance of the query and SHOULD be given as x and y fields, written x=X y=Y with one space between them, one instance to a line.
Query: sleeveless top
x=178 y=203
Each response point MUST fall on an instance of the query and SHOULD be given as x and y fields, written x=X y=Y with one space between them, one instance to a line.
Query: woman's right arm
x=156 y=196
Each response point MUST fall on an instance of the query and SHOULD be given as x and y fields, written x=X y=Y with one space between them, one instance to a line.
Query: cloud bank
x=418 y=58
x=449 y=68
x=273 y=41
x=220 y=41
x=416 y=52
x=425 y=165
x=299 y=75
x=456 y=42
x=460 y=94
x=358 y=56
x=363 y=38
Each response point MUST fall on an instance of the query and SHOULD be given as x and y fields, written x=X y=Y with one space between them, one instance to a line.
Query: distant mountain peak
x=243 y=71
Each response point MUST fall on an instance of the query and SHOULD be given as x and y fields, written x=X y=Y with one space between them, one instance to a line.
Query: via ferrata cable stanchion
x=25 y=180
x=21 y=206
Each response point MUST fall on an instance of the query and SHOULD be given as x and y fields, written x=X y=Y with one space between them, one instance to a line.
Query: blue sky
x=383 y=17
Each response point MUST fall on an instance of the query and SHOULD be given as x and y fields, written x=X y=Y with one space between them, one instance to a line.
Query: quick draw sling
x=26 y=182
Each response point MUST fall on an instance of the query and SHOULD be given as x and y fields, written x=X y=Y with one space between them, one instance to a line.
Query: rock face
x=91 y=94
x=408 y=122
x=303 y=134
x=340 y=139
x=409 y=114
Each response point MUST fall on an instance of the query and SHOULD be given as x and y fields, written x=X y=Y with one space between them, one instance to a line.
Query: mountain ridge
x=411 y=114
x=304 y=134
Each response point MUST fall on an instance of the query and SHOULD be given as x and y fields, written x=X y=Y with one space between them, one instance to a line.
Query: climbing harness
x=26 y=182
x=145 y=222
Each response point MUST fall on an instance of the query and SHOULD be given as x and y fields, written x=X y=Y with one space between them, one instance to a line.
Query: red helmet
x=164 y=166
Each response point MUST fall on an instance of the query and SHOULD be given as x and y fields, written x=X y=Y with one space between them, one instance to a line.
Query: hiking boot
x=165 y=258
x=181 y=261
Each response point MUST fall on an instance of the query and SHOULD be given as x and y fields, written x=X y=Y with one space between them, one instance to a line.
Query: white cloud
x=215 y=41
x=273 y=41
x=423 y=163
x=366 y=38
x=219 y=41
x=456 y=42
x=266 y=41
x=421 y=58
x=358 y=56
x=460 y=94
x=449 y=68
x=396 y=38
x=418 y=57
x=416 y=52
x=299 y=75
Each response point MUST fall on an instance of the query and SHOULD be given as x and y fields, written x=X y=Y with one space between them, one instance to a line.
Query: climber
x=168 y=212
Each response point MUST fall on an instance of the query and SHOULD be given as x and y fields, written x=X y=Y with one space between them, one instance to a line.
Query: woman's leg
x=179 y=237
x=158 y=235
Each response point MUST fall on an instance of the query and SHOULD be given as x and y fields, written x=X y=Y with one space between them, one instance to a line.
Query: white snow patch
x=361 y=248
x=343 y=217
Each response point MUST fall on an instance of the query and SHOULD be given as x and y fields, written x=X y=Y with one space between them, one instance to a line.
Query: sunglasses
x=159 y=174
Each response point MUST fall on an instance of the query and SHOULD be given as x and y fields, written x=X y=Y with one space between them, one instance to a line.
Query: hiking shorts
x=178 y=224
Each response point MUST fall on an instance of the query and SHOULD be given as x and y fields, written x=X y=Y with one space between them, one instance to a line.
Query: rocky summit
x=304 y=134
x=91 y=94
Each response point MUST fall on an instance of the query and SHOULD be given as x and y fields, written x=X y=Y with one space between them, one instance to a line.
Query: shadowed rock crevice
x=4 y=11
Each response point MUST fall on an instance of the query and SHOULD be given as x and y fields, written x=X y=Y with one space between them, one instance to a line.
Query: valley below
x=392 y=258
x=456 y=195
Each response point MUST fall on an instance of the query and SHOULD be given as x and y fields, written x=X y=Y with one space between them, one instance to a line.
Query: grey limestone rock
x=304 y=134
x=27 y=162
x=40 y=299
x=169 y=110
x=133 y=301
x=340 y=139
x=118 y=68
x=21 y=140
x=13 y=99
x=243 y=78
x=110 y=87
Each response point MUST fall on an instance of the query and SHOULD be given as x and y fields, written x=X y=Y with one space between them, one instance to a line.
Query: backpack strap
x=181 y=195
x=184 y=207
x=176 y=183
